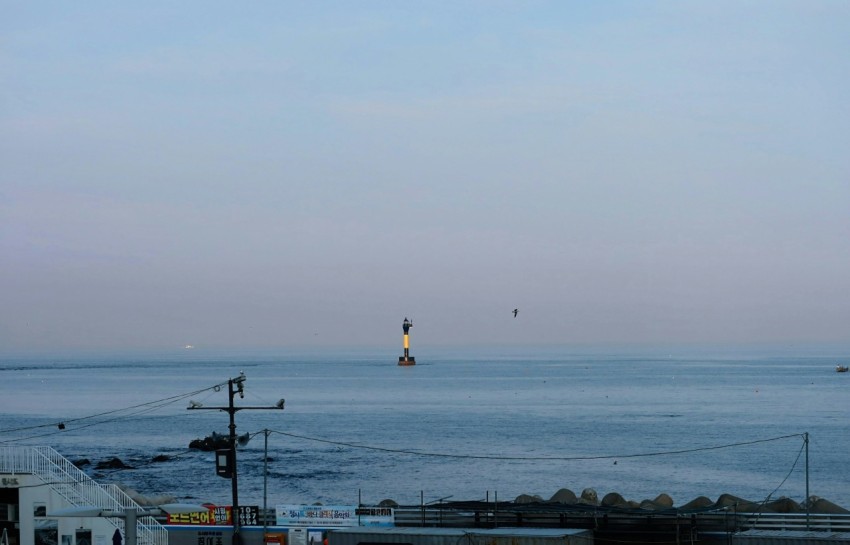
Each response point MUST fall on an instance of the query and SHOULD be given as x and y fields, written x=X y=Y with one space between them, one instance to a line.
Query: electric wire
x=143 y=408
x=90 y=424
x=764 y=502
x=532 y=458
x=151 y=406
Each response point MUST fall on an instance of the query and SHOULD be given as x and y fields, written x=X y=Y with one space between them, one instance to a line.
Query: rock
x=388 y=503
x=566 y=496
x=784 y=505
x=211 y=442
x=82 y=463
x=663 y=500
x=613 y=499
x=146 y=500
x=161 y=458
x=737 y=504
x=650 y=505
x=698 y=503
x=527 y=498
x=749 y=507
x=820 y=505
x=589 y=497
x=114 y=463
x=728 y=500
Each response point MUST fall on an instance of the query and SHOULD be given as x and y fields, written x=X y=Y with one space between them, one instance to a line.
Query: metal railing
x=727 y=520
x=815 y=522
x=723 y=520
x=77 y=488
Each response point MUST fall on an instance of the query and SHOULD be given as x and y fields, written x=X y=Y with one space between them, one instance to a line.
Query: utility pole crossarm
x=234 y=386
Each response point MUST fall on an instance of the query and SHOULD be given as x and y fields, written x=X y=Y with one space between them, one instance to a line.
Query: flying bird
x=516 y=310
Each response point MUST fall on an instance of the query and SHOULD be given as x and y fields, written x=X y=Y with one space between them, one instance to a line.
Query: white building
x=36 y=482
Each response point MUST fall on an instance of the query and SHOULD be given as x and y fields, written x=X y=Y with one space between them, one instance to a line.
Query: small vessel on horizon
x=841 y=368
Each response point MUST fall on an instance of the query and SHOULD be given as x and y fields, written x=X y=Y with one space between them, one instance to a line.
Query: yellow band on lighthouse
x=406 y=342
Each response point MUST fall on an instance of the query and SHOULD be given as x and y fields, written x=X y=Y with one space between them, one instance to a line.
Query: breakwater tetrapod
x=406 y=359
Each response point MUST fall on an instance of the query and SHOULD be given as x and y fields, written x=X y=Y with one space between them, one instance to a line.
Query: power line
x=144 y=408
x=787 y=476
x=532 y=458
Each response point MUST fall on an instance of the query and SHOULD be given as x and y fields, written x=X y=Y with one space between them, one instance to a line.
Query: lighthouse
x=406 y=359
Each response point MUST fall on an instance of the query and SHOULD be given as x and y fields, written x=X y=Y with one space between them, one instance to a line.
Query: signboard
x=249 y=515
x=297 y=536
x=208 y=538
x=375 y=516
x=315 y=516
x=332 y=516
x=206 y=518
x=217 y=515
x=199 y=535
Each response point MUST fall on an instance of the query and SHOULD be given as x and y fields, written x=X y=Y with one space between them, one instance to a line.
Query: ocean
x=462 y=424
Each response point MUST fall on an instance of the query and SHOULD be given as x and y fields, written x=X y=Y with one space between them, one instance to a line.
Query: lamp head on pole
x=238 y=381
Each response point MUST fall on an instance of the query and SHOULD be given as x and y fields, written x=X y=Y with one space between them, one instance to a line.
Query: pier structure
x=406 y=359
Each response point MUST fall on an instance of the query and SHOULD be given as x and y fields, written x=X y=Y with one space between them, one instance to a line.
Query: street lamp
x=129 y=514
x=234 y=385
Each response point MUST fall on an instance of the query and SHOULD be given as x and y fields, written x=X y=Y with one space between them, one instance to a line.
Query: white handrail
x=77 y=487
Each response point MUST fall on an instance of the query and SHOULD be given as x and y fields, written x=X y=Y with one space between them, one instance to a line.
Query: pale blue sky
x=310 y=173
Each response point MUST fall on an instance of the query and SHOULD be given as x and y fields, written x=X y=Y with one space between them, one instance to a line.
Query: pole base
x=406 y=361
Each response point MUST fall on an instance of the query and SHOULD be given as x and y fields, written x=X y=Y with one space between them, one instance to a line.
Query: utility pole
x=808 y=498
x=234 y=386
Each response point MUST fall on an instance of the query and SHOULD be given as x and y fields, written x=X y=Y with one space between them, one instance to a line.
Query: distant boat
x=189 y=346
x=841 y=368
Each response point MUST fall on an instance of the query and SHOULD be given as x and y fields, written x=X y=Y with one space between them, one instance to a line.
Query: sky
x=281 y=173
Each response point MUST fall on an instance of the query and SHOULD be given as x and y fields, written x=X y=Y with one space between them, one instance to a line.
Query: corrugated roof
x=506 y=531
x=793 y=535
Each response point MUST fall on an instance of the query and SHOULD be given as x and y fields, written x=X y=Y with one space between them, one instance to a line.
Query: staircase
x=78 y=489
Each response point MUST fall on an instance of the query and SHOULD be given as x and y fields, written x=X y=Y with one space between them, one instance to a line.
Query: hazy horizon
x=310 y=174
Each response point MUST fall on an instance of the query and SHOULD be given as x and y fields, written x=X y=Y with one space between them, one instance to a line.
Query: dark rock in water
x=211 y=442
x=388 y=503
x=161 y=458
x=82 y=463
x=114 y=463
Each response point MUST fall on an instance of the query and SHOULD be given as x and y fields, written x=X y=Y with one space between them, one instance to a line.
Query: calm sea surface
x=463 y=424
